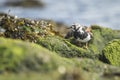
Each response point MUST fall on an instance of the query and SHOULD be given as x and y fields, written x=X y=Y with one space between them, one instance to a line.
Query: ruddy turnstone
x=80 y=33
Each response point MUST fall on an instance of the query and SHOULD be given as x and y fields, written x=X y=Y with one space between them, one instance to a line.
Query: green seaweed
x=31 y=59
x=64 y=48
x=111 y=52
x=17 y=56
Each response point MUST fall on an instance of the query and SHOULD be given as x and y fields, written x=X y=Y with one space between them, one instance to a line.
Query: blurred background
x=86 y=12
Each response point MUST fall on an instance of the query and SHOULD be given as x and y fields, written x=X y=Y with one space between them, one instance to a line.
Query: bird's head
x=76 y=27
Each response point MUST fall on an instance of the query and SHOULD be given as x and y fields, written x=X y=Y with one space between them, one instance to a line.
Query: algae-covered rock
x=19 y=56
x=96 y=66
x=62 y=59
x=101 y=36
x=111 y=52
x=16 y=55
x=93 y=69
x=24 y=29
x=64 y=48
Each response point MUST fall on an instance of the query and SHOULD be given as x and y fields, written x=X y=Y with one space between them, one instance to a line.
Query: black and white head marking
x=78 y=28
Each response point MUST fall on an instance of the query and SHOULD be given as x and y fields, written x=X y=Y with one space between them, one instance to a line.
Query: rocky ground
x=37 y=50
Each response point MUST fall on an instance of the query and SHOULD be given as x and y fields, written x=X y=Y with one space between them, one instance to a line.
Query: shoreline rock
x=111 y=52
x=25 y=3
x=38 y=45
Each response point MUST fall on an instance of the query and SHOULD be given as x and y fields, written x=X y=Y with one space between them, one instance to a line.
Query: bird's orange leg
x=86 y=45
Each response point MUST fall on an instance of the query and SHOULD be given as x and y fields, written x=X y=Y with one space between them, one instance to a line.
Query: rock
x=61 y=28
x=111 y=52
x=24 y=29
x=25 y=3
x=19 y=56
x=91 y=65
x=98 y=69
x=45 y=32
x=101 y=36
x=60 y=59
x=64 y=48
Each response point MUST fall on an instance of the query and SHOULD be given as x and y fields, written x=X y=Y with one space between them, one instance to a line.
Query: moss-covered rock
x=64 y=48
x=19 y=56
x=101 y=36
x=16 y=55
x=76 y=62
x=93 y=69
x=111 y=52
x=96 y=66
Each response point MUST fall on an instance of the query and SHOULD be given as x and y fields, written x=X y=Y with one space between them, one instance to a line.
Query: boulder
x=64 y=48
x=28 y=58
x=111 y=52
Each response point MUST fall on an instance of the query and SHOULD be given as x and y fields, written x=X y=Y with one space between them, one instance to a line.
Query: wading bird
x=81 y=33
